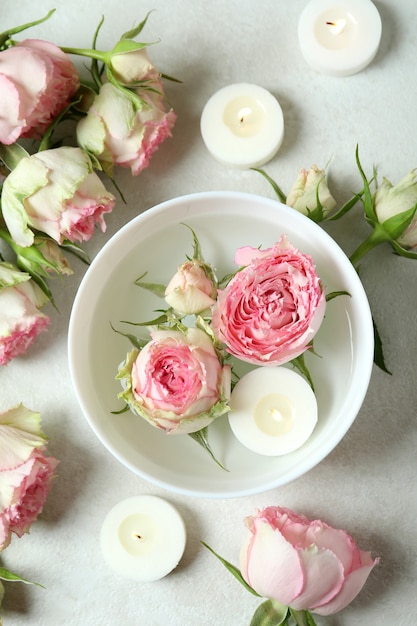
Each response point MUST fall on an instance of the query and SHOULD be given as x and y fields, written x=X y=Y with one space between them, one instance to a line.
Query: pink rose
x=190 y=291
x=20 y=318
x=117 y=132
x=25 y=472
x=37 y=81
x=304 y=564
x=56 y=192
x=176 y=382
x=271 y=309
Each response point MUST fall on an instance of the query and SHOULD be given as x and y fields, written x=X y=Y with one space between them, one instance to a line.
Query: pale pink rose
x=190 y=291
x=37 y=81
x=56 y=192
x=20 y=318
x=307 y=565
x=25 y=471
x=176 y=382
x=117 y=132
x=272 y=308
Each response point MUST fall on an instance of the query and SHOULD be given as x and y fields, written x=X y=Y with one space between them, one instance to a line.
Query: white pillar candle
x=242 y=125
x=273 y=410
x=143 y=538
x=339 y=37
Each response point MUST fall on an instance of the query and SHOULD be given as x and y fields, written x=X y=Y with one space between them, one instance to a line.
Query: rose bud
x=310 y=194
x=56 y=192
x=190 y=290
x=392 y=200
x=133 y=66
x=37 y=82
x=303 y=564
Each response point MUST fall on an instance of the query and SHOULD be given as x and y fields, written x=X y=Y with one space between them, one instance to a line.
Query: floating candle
x=242 y=125
x=339 y=37
x=273 y=410
x=143 y=538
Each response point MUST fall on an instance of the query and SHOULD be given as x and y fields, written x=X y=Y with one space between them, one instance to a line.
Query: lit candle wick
x=243 y=113
x=137 y=536
x=336 y=27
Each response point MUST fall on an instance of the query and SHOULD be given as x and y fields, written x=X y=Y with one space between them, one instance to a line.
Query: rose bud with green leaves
x=25 y=471
x=270 y=311
x=125 y=129
x=20 y=318
x=56 y=192
x=191 y=290
x=37 y=82
x=310 y=194
x=177 y=381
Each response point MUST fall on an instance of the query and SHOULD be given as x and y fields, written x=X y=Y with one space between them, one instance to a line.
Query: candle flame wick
x=137 y=536
x=331 y=23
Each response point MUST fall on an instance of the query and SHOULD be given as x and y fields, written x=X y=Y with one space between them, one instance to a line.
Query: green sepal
x=127 y=45
x=302 y=618
x=200 y=436
x=156 y=288
x=281 y=195
x=349 y=204
x=379 y=358
x=367 y=199
x=270 y=613
x=233 y=570
x=396 y=225
x=134 y=32
x=5 y=574
x=157 y=321
x=135 y=341
x=75 y=250
x=12 y=155
x=408 y=254
x=5 y=36
x=336 y=294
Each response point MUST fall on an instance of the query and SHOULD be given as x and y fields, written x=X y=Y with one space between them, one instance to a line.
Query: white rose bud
x=303 y=194
x=391 y=200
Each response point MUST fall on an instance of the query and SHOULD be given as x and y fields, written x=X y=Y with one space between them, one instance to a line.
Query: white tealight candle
x=273 y=410
x=339 y=37
x=143 y=538
x=242 y=125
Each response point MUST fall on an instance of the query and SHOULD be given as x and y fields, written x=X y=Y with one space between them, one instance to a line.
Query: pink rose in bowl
x=306 y=565
x=37 y=81
x=176 y=382
x=272 y=308
x=20 y=318
x=25 y=472
x=190 y=291
x=56 y=192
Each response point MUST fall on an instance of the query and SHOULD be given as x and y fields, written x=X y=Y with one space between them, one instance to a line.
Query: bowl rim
x=367 y=343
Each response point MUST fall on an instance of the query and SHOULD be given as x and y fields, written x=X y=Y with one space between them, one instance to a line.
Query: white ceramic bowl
x=156 y=242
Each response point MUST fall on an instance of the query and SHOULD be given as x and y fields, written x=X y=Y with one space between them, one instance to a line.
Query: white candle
x=242 y=125
x=339 y=37
x=273 y=410
x=143 y=538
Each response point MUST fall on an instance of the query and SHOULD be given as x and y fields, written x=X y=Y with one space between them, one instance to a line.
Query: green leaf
x=379 y=358
x=281 y=195
x=200 y=436
x=300 y=364
x=12 y=155
x=5 y=574
x=335 y=294
x=233 y=570
x=367 y=195
x=135 y=341
x=270 y=613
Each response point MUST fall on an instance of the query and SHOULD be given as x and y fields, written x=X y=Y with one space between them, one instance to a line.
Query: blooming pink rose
x=118 y=133
x=56 y=192
x=271 y=309
x=20 y=318
x=190 y=290
x=37 y=81
x=25 y=472
x=304 y=564
x=176 y=382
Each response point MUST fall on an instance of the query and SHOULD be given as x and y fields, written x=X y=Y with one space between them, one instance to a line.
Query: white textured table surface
x=367 y=485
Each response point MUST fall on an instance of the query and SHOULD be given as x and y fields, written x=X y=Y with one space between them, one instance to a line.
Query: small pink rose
x=272 y=308
x=307 y=565
x=37 y=81
x=176 y=382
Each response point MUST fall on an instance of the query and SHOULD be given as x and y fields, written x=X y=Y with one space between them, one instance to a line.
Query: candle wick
x=137 y=536
x=331 y=23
